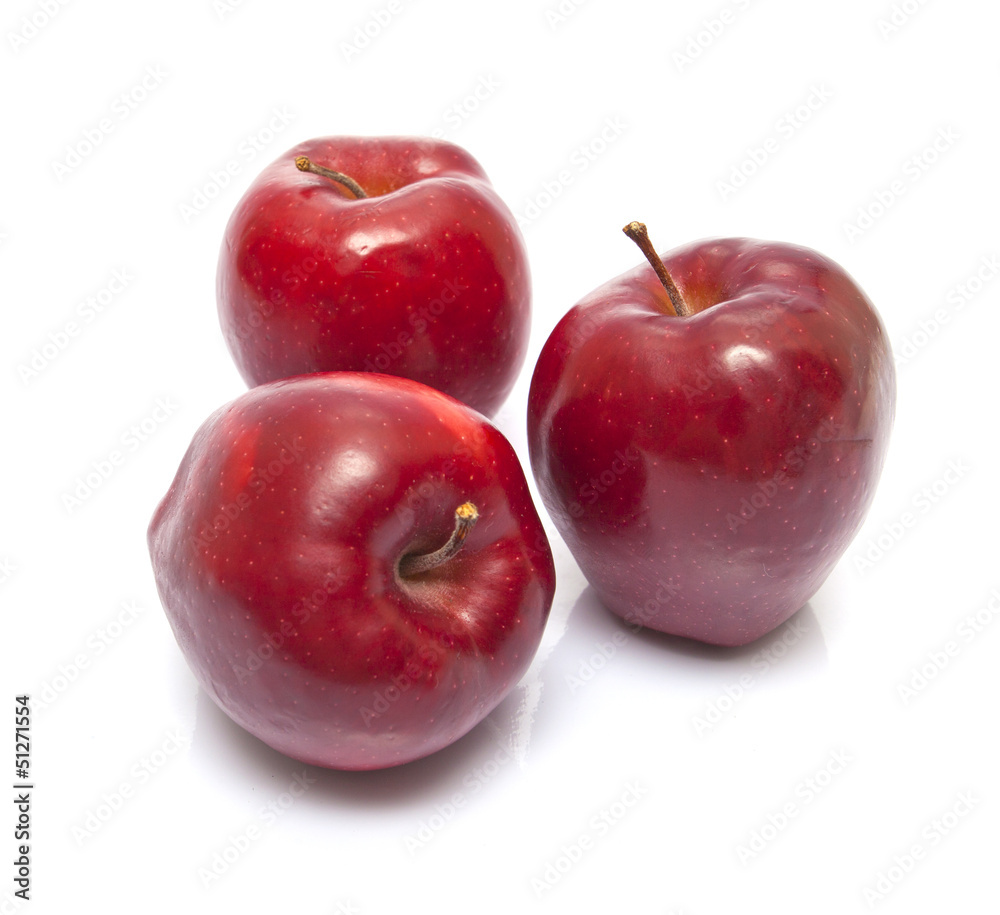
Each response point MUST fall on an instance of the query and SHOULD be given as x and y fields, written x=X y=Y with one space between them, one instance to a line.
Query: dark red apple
x=377 y=254
x=353 y=567
x=708 y=463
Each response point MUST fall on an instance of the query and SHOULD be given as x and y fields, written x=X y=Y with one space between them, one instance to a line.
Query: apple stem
x=305 y=164
x=637 y=232
x=466 y=516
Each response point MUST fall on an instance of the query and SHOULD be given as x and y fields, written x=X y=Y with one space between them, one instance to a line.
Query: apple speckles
x=741 y=474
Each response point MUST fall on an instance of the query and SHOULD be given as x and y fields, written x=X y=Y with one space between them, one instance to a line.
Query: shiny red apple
x=377 y=254
x=353 y=567
x=709 y=461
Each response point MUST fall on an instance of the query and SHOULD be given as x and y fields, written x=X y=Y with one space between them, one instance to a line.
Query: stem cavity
x=305 y=164
x=466 y=516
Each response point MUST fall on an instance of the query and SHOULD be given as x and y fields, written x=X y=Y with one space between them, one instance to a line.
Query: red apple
x=390 y=255
x=708 y=463
x=353 y=567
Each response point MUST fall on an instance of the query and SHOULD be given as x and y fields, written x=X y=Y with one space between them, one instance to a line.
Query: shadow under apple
x=594 y=632
x=238 y=757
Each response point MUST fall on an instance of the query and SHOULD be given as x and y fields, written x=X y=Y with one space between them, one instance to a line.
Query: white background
x=822 y=786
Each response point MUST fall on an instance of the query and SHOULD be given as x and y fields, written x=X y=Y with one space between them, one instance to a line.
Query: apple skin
x=427 y=277
x=708 y=471
x=276 y=552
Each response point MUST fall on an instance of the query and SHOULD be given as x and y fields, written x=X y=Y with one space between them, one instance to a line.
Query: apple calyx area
x=412 y=564
x=637 y=232
x=305 y=164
